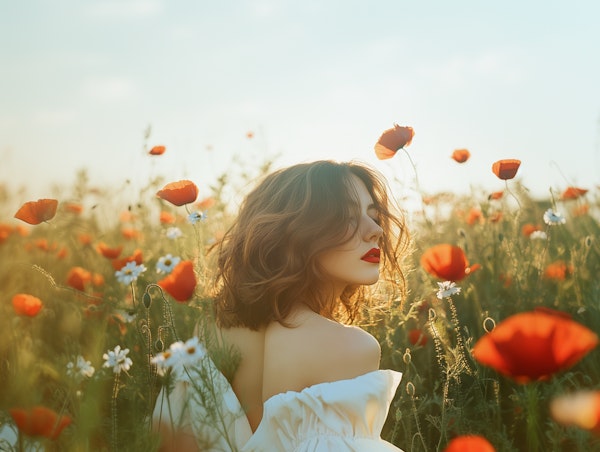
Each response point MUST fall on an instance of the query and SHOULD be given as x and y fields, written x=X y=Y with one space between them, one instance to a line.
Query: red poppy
x=35 y=212
x=496 y=217
x=157 y=150
x=580 y=210
x=167 y=218
x=107 y=251
x=25 y=304
x=506 y=169
x=417 y=337
x=581 y=409
x=84 y=239
x=558 y=271
x=131 y=233
x=62 y=252
x=5 y=231
x=39 y=421
x=475 y=216
x=529 y=229
x=392 y=140
x=136 y=257
x=461 y=155
x=496 y=195
x=534 y=345
x=126 y=216
x=181 y=282
x=73 y=207
x=78 y=277
x=447 y=262
x=206 y=203
x=179 y=193
x=97 y=279
x=573 y=193
x=469 y=443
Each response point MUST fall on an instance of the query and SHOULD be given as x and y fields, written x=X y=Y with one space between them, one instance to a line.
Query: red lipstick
x=371 y=256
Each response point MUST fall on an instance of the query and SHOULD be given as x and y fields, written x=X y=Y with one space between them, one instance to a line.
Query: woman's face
x=356 y=262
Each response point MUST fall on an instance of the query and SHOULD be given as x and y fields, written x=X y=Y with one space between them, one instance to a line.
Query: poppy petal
x=179 y=193
x=36 y=212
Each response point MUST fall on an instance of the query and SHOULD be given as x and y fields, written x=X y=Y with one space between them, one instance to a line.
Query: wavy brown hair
x=268 y=260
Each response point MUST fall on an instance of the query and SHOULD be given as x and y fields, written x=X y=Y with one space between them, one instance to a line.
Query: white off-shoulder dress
x=341 y=416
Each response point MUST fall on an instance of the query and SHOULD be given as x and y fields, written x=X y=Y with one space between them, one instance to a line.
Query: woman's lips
x=371 y=256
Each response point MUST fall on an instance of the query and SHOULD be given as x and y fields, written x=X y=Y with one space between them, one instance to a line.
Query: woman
x=291 y=277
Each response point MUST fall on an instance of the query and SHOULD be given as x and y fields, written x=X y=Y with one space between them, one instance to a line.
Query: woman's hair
x=268 y=259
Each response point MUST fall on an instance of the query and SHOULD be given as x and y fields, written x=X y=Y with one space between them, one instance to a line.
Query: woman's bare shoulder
x=316 y=350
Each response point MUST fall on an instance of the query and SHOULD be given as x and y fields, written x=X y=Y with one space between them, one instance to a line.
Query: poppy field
x=497 y=337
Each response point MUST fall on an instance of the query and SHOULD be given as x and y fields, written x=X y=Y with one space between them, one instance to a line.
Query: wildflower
x=157 y=150
x=80 y=368
x=35 y=212
x=117 y=359
x=130 y=272
x=78 y=277
x=167 y=263
x=125 y=316
x=84 y=239
x=196 y=216
x=461 y=155
x=447 y=262
x=469 y=443
x=572 y=193
x=581 y=409
x=558 y=271
x=206 y=203
x=534 y=345
x=25 y=304
x=39 y=421
x=496 y=195
x=173 y=233
x=73 y=207
x=180 y=357
x=131 y=233
x=529 y=229
x=553 y=218
x=393 y=140
x=166 y=217
x=538 y=235
x=181 y=282
x=475 y=216
x=179 y=193
x=136 y=257
x=108 y=252
x=447 y=289
x=417 y=337
x=581 y=210
x=506 y=168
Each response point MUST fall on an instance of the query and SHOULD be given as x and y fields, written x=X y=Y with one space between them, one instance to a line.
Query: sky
x=82 y=81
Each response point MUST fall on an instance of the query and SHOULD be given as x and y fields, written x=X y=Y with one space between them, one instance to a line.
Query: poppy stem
x=532 y=403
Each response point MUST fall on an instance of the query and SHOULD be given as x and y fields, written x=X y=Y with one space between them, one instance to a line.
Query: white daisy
x=173 y=233
x=553 y=218
x=80 y=368
x=130 y=272
x=196 y=216
x=167 y=263
x=180 y=357
x=538 y=235
x=447 y=289
x=117 y=359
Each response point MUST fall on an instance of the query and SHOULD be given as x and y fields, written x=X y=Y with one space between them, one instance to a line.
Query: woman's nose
x=372 y=231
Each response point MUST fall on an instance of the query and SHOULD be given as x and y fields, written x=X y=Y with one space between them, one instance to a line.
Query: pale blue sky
x=81 y=80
